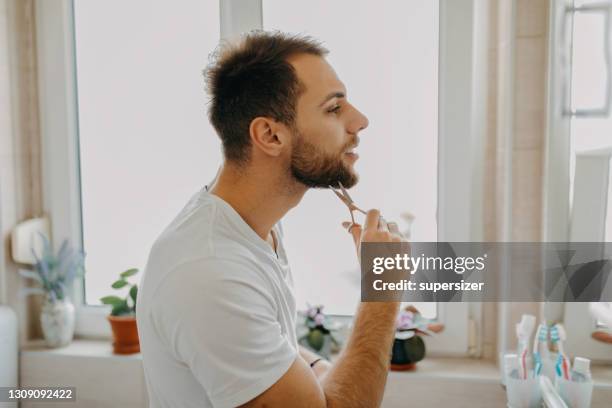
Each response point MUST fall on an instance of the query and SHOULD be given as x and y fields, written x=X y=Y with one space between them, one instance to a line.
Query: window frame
x=459 y=137
x=558 y=213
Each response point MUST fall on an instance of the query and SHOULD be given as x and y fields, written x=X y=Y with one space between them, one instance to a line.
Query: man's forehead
x=317 y=75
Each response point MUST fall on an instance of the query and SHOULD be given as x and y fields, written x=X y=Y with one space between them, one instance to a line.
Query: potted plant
x=123 y=315
x=55 y=274
x=408 y=346
x=319 y=337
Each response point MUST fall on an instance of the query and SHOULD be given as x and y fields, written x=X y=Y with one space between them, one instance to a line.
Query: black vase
x=408 y=351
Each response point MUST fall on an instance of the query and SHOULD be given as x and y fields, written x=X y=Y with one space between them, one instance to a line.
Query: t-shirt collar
x=246 y=228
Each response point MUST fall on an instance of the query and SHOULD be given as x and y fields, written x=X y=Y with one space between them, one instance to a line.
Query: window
x=391 y=73
x=145 y=141
x=581 y=139
x=127 y=141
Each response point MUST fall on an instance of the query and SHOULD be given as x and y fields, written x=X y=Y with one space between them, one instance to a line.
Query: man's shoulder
x=214 y=274
x=197 y=232
x=200 y=250
x=212 y=284
x=198 y=215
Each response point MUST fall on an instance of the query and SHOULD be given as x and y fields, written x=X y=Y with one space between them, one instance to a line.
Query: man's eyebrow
x=335 y=94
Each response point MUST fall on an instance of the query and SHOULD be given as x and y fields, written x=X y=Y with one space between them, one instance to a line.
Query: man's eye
x=335 y=109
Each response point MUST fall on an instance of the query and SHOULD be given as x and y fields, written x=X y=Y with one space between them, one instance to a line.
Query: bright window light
x=386 y=53
x=145 y=142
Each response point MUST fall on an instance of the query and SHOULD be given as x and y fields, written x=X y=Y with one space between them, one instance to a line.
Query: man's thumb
x=354 y=230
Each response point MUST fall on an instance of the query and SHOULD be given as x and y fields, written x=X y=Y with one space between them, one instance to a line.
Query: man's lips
x=351 y=149
x=351 y=153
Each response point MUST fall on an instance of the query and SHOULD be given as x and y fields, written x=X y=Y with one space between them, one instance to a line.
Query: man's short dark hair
x=252 y=78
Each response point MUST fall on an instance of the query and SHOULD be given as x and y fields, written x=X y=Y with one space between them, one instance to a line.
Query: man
x=216 y=311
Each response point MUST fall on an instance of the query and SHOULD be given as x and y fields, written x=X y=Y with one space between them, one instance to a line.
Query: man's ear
x=268 y=136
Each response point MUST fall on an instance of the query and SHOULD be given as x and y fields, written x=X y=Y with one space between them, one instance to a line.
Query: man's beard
x=316 y=169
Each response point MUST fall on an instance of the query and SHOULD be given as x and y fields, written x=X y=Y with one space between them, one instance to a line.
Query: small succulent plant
x=123 y=306
x=54 y=273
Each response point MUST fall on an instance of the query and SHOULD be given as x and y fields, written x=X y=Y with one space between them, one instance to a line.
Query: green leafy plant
x=123 y=306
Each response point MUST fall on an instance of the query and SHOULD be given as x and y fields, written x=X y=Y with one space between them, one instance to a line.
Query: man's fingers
x=382 y=224
x=355 y=231
x=349 y=226
x=372 y=218
x=394 y=229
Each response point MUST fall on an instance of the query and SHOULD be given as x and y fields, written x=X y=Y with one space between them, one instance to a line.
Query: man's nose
x=358 y=122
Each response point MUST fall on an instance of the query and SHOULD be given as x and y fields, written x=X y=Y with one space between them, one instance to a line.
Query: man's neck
x=261 y=197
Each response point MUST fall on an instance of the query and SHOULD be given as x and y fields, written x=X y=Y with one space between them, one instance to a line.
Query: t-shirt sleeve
x=219 y=318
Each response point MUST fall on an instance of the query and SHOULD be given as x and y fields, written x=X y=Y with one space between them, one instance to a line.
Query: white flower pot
x=57 y=321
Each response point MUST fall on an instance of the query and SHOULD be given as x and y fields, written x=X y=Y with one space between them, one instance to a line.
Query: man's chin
x=351 y=177
x=341 y=172
x=349 y=180
x=351 y=183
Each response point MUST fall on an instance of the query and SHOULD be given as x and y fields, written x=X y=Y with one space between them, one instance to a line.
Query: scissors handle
x=355 y=208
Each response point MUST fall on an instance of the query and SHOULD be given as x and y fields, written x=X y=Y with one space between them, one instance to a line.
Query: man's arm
x=320 y=368
x=358 y=378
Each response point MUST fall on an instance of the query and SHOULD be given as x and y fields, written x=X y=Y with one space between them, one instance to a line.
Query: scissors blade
x=342 y=197
x=345 y=192
x=346 y=202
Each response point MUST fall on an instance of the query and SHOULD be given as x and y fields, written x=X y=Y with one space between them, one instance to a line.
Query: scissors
x=345 y=197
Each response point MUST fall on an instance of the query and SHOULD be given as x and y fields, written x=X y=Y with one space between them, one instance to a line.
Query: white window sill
x=79 y=348
x=437 y=382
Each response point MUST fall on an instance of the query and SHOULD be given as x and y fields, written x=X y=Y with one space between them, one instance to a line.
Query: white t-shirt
x=215 y=310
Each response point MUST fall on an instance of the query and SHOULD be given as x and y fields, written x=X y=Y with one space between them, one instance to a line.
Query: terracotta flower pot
x=125 y=334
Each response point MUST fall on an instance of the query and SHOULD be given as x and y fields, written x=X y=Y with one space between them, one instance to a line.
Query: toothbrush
x=554 y=338
x=523 y=332
x=558 y=336
x=540 y=348
x=565 y=363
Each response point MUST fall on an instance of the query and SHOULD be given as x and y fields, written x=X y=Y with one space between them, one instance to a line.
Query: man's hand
x=376 y=230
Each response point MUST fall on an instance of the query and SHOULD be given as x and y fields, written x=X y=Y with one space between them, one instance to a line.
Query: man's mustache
x=351 y=144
